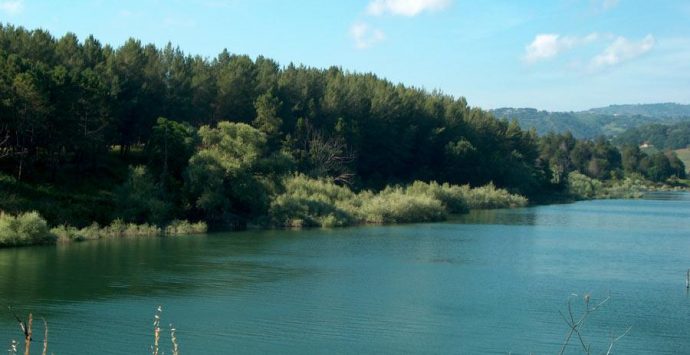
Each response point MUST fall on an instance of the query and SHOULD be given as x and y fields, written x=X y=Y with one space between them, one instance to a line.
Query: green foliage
x=397 y=205
x=120 y=229
x=657 y=167
x=583 y=186
x=24 y=229
x=139 y=199
x=453 y=197
x=76 y=115
x=308 y=202
x=632 y=186
x=661 y=136
x=610 y=121
x=267 y=120
x=490 y=197
x=222 y=176
x=178 y=227
x=172 y=144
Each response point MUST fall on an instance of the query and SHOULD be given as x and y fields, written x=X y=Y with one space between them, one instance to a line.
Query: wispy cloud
x=12 y=7
x=550 y=45
x=407 y=8
x=172 y=22
x=365 y=36
x=605 y=4
x=622 y=50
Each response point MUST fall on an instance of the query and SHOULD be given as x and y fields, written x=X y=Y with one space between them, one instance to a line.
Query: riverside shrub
x=24 y=229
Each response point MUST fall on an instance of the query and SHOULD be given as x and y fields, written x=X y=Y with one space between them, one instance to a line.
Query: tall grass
x=312 y=203
x=398 y=205
x=307 y=202
x=178 y=227
x=24 y=229
x=633 y=186
x=120 y=229
x=490 y=197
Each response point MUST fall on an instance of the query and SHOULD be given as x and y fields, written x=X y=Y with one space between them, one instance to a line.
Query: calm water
x=490 y=282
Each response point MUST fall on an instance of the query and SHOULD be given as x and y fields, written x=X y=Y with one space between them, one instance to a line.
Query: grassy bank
x=635 y=186
x=31 y=228
x=302 y=202
x=319 y=203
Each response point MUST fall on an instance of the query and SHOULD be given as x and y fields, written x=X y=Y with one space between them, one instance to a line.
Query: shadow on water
x=133 y=267
x=520 y=216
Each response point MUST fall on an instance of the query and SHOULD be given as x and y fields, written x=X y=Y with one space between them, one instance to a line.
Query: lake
x=488 y=282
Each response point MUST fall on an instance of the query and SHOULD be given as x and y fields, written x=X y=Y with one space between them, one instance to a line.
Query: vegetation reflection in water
x=491 y=282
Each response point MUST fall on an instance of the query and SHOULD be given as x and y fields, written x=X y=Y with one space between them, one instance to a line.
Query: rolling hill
x=609 y=121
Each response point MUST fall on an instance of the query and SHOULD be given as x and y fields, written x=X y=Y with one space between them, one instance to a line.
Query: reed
x=156 y=329
x=173 y=339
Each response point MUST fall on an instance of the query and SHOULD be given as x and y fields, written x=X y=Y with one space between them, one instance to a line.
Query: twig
x=156 y=329
x=575 y=326
x=173 y=338
x=45 y=337
x=613 y=341
x=27 y=333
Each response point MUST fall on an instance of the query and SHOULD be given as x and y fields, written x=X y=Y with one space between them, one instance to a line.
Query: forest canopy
x=155 y=134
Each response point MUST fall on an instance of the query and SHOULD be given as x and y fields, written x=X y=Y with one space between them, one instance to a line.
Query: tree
x=657 y=167
x=267 y=107
x=221 y=176
x=171 y=145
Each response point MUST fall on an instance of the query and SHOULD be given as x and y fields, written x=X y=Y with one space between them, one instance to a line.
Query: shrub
x=488 y=197
x=24 y=229
x=453 y=197
x=66 y=233
x=307 y=202
x=395 y=205
x=312 y=203
x=177 y=227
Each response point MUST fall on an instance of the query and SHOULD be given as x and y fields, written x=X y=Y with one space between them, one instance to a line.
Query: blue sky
x=555 y=54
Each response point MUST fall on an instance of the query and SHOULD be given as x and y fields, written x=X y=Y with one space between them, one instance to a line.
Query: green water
x=490 y=282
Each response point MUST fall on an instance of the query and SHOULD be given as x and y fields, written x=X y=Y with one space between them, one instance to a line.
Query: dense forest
x=660 y=136
x=608 y=121
x=143 y=134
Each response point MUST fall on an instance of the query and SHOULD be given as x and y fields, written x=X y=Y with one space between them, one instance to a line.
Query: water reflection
x=488 y=282
x=132 y=267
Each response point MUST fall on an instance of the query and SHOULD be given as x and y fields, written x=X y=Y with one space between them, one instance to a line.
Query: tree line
x=211 y=138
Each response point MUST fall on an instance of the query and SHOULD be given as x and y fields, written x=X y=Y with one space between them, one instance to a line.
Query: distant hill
x=675 y=136
x=610 y=121
x=648 y=110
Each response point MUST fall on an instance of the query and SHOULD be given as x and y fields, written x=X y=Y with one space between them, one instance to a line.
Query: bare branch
x=45 y=337
x=614 y=340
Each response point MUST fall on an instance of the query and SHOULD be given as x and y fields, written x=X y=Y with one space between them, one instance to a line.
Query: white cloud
x=604 y=5
x=365 y=36
x=622 y=50
x=549 y=45
x=608 y=4
x=12 y=7
x=407 y=8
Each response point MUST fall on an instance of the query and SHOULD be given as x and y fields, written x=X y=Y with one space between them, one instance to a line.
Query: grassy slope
x=79 y=198
x=684 y=155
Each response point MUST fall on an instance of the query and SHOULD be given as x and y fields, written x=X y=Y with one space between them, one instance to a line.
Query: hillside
x=609 y=121
x=660 y=110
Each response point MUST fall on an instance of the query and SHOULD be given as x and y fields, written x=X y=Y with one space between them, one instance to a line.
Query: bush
x=24 y=229
x=185 y=228
x=307 y=202
x=312 y=203
x=453 y=197
x=395 y=205
x=633 y=186
x=489 y=197
x=66 y=233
